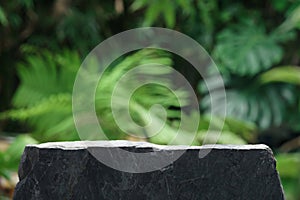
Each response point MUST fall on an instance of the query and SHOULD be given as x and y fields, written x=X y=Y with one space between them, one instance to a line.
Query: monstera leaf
x=244 y=50
x=289 y=75
x=265 y=105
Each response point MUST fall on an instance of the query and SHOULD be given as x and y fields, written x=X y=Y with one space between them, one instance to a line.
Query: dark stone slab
x=70 y=171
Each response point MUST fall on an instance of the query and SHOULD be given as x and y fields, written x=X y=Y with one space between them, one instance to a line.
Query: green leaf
x=292 y=21
x=169 y=14
x=3 y=19
x=225 y=137
x=3 y=167
x=13 y=153
x=136 y=5
x=158 y=8
x=264 y=105
x=143 y=98
x=44 y=97
x=285 y=74
x=244 y=50
x=27 y=3
x=244 y=129
x=288 y=165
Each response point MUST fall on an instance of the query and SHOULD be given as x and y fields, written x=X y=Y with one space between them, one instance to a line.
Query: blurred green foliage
x=254 y=44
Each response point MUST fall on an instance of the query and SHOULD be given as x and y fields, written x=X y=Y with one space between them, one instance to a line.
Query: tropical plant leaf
x=225 y=137
x=143 y=98
x=285 y=74
x=3 y=19
x=244 y=50
x=264 y=105
x=44 y=97
x=157 y=9
x=233 y=127
x=13 y=154
x=292 y=21
x=288 y=165
x=45 y=75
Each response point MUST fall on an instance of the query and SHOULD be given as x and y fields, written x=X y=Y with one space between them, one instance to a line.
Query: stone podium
x=70 y=171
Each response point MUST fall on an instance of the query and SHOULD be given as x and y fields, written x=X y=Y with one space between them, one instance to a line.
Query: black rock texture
x=68 y=170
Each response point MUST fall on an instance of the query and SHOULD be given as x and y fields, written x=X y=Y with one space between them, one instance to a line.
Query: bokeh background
x=254 y=43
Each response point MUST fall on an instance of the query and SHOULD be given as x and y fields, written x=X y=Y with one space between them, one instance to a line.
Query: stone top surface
x=124 y=143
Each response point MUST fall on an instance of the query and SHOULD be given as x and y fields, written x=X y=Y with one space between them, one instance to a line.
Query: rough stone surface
x=68 y=171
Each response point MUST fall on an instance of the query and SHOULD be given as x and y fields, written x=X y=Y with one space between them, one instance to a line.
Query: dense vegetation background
x=254 y=43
